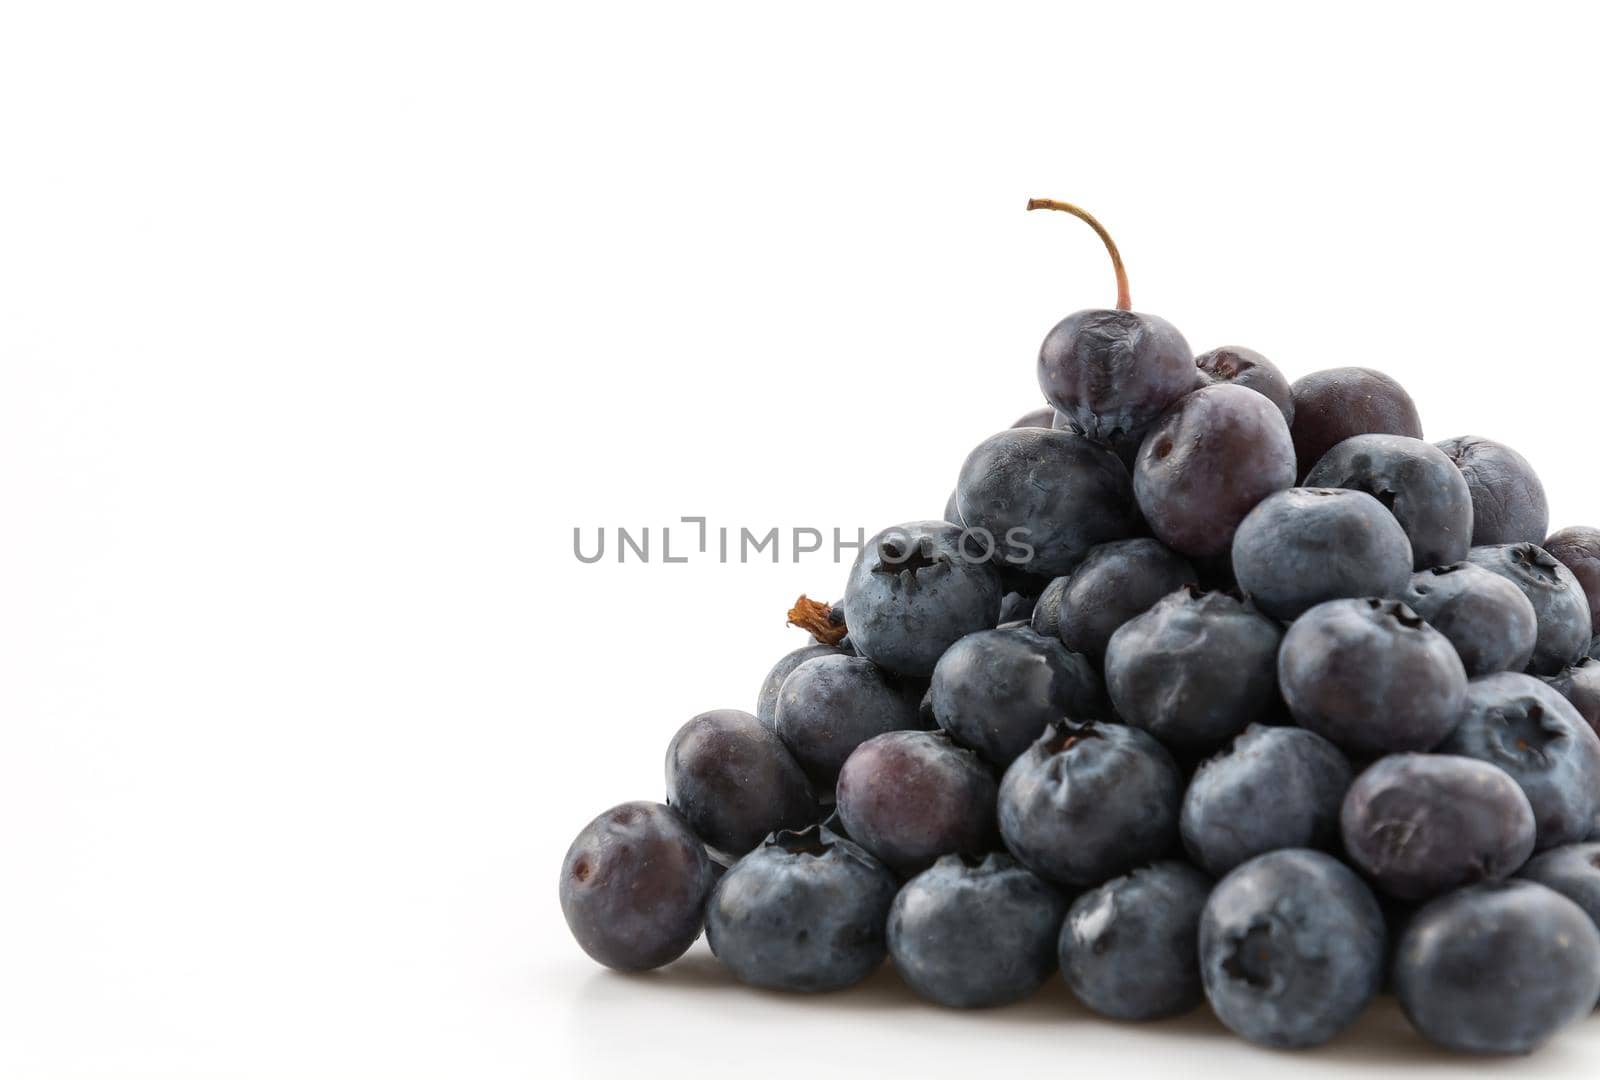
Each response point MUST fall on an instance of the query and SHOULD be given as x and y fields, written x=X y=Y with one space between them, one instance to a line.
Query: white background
x=322 y=325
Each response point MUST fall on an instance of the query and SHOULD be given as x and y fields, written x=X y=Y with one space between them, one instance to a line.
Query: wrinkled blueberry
x=1488 y=619
x=975 y=933
x=1421 y=824
x=767 y=700
x=1238 y=366
x=830 y=705
x=1418 y=484
x=1508 y=501
x=634 y=885
x=1115 y=582
x=1580 y=685
x=1112 y=372
x=734 y=781
x=1130 y=948
x=1578 y=549
x=1559 y=605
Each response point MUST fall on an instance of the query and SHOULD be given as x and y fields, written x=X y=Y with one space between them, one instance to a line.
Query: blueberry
x=1045 y=498
x=634 y=885
x=1371 y=676
x=1239 y=366
x=1016 y=607
x=1306 y=545
x=831 y=705
x=1274 y=788
x=1421 y=824
x=1130 y=948
x=1113 y=372
x=1207 y=462
x=1420 y=485
x=767 y=700
x=1498 y=968
x=1508 y=502
x=1488 y=619
x=1559 y=605
x=952 y=508
x=1292 y=948
x=1573 y=871
x=805 y=911
x=1528 y=729
x=997 y=690
x=1087 y=802
x=1124 y=444
x=1042 y=417
x=914 y=590
x=1578 y=549
x=734 y=781
x=1116 y=582
x=1580 y=684
x=911 y=796
x=1330 y=406
x=1195 y=669
x=974 y=933
x=1046 y=620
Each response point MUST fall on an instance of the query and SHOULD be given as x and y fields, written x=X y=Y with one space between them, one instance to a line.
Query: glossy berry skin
x=911 y=796
x=831 y=705
x=1580 y=685
x=1303 y=546
x=973 y=934
x=1274 y=788
x=1087 y=802
x=734 y=781
x=1292 y=948
x=1488 y=619
x=1508 y=501
x=1527 y=729
x=1042 y=417
x=1371 y=677
x=1113 y=372
x=767 y=699
x=1206 y=463
x=1330 y=406
x=1573 y=871
x=1238 y=366
x=997 y=690
x=1195 y=669
x=1417 y=483
x=1115 y=583
x=1419 y=825
x=915 y=589
x=634 y=886
x=1498 y=968
x=1578 y=549
x=803 y=912
x=1045 y=498
x=1560 y=607
x=1129 y=949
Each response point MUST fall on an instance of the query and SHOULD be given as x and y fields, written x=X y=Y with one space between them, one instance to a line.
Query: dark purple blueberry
x=1115 y=583
x=1195 y=669
x=1274 y=788
x=997 y=690
x=734 y=781
x=1044 y=498
x=1578 y=549
x=1046 y=619
x=1292 y=949
x=1112 y=372
x=831 y=705
x=1207 y=462
x=1087 y=802
x=1300 y=547
x=1489 y=621
x=1559 y=605
x=1498 y=969
x=911 y=796
x=975 y=933
x=1574 y=872
x=1420 y=485
x=1526 y=728
x=914 y=590
x=1042 y=417
x=1422 y=824
x=1238 y=366
x=1371 y=677
x=634 y=886
x=1330 y=406
x=767 y=700
x=1580 y=685
x=1130 y=948
x=803 y=912
x=1508 y=503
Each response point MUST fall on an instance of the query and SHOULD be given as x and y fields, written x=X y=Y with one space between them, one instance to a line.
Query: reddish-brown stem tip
x=817 y=619
x=1123 y=303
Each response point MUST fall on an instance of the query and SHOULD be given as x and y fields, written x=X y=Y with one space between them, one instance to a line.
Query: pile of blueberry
x=1206 y=688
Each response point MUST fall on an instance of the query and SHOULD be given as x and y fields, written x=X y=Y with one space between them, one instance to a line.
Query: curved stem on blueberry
x=818 y=620
x=1123 y=303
